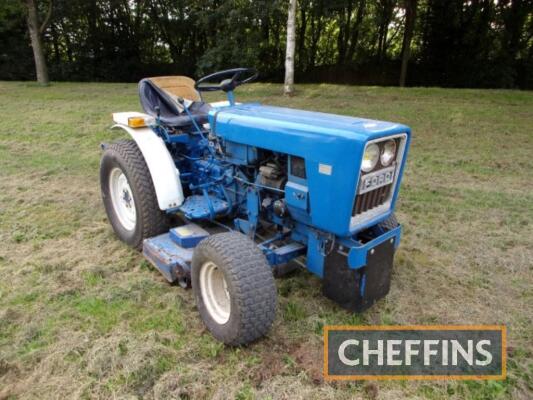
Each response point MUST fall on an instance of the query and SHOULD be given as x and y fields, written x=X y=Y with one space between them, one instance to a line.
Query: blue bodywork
x=223 y=168
x=319 y=138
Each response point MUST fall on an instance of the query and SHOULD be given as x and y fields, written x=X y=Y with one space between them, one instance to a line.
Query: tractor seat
x=162 y=92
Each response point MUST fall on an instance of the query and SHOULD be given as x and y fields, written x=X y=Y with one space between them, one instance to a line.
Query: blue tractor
x=217 y=196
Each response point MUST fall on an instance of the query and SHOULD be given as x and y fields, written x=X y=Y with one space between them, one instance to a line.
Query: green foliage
x=246 y=393
x=455 y=43
x=9 y=9
x=293 y=312
x=15 y=55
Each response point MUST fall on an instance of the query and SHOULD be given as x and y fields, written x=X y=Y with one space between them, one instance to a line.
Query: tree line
x=453 y=43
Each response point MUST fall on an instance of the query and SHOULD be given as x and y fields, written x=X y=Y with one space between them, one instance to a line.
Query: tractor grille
x=369 y=200
x=375 y=188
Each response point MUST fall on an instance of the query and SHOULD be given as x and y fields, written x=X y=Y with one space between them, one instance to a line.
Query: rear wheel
x=128 y=194
x=234 y=288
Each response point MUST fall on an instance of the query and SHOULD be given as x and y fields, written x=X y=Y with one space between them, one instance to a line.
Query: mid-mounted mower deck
x=257 y=187
x=171 y=253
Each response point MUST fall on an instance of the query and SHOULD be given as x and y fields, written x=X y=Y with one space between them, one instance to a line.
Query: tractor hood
x=331 y=145
x=295 y=132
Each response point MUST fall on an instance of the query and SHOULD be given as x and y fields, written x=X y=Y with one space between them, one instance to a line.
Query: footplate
x=358 y=289
x=201 y=207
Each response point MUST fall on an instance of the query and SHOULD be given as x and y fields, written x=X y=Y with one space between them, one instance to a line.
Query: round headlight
x=370 y=158
x=389 y=151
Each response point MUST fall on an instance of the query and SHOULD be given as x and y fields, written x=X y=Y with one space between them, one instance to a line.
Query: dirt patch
x=271 y=365
x=310 y=358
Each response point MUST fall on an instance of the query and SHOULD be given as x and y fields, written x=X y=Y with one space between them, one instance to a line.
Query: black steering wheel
x=228 y=79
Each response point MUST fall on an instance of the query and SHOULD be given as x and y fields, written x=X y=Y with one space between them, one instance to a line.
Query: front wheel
x=128 y=194
x=389 y=223
x=234 y=288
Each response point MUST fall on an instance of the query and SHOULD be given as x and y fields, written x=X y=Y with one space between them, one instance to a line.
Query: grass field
x=83 y=316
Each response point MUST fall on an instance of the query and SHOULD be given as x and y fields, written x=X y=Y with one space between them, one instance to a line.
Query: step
x=198 y=206
x=172 y=260
x=188 y=236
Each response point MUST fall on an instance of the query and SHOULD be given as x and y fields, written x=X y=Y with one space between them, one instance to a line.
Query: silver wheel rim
x=214 y=290
x=122 y=199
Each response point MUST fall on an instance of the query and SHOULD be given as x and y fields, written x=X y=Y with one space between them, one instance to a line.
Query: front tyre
x=128 y=194
x=234 y=288
x=390 y=223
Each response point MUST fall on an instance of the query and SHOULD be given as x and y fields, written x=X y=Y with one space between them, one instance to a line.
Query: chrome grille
x=369 y=200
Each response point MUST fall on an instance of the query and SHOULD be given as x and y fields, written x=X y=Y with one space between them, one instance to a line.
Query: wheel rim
x=122 y=199
x=214 y=290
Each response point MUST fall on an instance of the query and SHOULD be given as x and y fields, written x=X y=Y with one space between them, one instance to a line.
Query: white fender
x=165 y=175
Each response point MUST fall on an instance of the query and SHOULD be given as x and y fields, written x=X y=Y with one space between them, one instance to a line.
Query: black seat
x=170 y=114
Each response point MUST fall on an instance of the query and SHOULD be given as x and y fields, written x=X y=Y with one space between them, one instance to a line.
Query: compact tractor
x=219 y=195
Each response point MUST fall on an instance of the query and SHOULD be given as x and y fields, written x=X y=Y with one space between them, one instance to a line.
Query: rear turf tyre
x=128 y=194
x=234 y=288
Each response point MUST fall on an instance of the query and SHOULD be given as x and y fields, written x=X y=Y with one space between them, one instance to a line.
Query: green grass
x=83 y=316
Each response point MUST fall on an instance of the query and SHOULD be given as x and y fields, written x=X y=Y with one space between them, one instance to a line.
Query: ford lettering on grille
x=376 y=179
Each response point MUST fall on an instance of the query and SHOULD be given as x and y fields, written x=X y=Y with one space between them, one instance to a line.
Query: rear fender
x=165 y=175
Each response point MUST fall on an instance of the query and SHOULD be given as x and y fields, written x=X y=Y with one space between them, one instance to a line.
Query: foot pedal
x=172 y=260
x=200 y=207
x=188 y=236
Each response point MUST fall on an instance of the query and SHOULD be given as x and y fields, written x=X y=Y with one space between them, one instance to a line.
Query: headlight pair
x=373 y=153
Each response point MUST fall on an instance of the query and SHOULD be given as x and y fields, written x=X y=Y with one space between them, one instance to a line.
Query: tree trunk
x=37 y=43
x=316 y=31
x=387 y=8
x=356 y=29
x=301 y=39
x=343 y=37
x=289 y=54
x=410 y=18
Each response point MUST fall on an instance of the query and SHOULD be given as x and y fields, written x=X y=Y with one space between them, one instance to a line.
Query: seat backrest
x=154 y=100
x=181 y=86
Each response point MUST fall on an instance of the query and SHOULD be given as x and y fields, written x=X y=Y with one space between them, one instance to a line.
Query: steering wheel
x=228 y=80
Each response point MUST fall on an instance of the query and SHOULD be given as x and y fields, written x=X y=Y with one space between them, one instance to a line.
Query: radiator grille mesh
x=369 y=200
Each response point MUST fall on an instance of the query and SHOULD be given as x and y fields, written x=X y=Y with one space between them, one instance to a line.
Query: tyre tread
x=389 y=223
x=153 y=220
x=254 y=283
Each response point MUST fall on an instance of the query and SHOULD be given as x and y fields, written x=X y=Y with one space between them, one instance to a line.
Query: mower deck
x=171 y=253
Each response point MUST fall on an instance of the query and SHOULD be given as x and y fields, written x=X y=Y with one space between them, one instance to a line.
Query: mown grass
x=83 y=316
